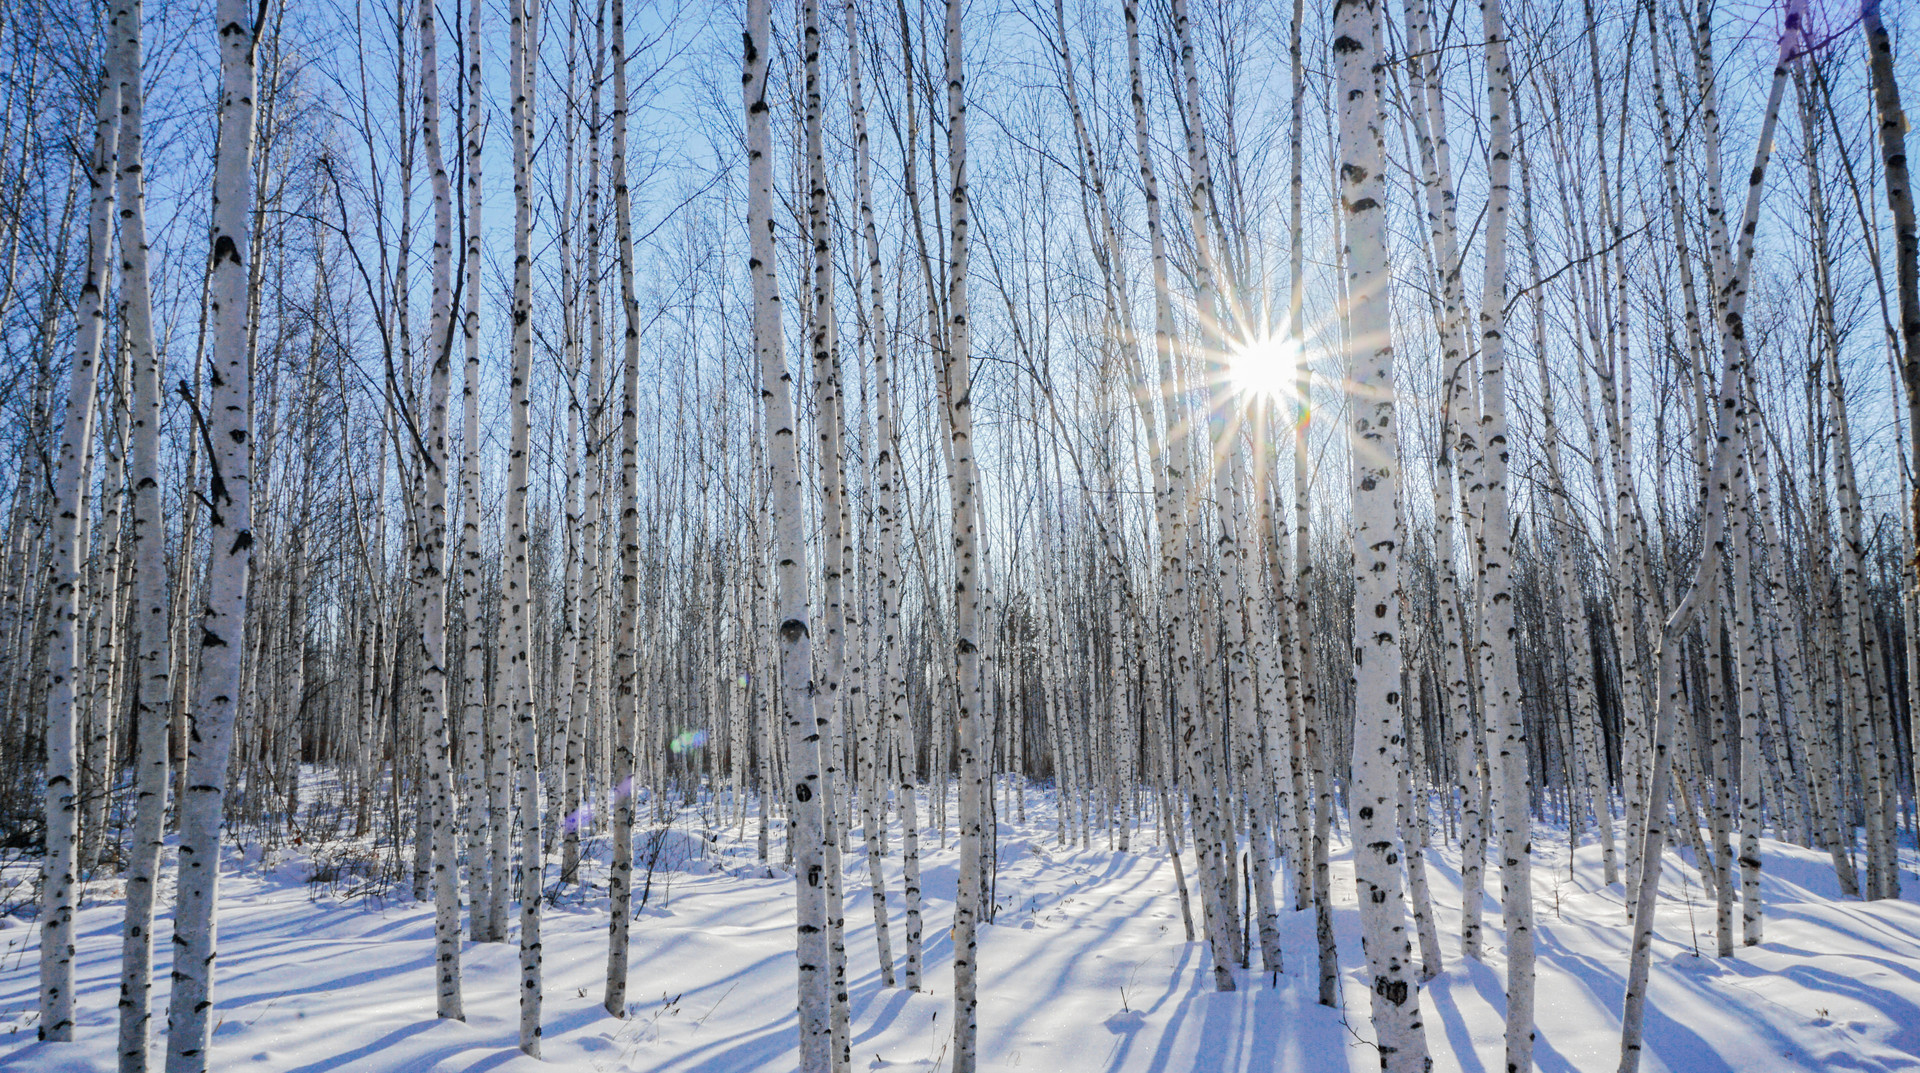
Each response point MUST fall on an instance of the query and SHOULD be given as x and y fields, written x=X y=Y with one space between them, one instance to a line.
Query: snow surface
x=1084 y=969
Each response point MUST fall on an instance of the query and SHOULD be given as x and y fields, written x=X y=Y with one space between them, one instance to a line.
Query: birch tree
x=1717 y=482
x=957 y=373
x=890 y=709
x=152 y=606
x=1500 y=695
x=1374 y=437
x=626 y=660
x=68 y=539
x=516 y=591
x=226 y=414
x=807 y=801
x=432 y=556
x=486 y=832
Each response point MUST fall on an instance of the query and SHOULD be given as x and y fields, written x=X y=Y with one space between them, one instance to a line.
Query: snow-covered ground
x=1084 y=969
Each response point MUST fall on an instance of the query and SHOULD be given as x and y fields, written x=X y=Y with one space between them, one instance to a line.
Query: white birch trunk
x=1825 y=820
x=627 y=656
x=968 y=580
x=587 y=713
x=822 y=345
x=432 y=580
x=1430 y=126
x=516 y=625
x=564 y=754
x=99 y=697
x=1312 y=757
x=1892 y=123
x=890 y=710
x=1376 y=555
x=67 y=538
x=227 y=411
x=807 y=832
x=1500 y=697
x=152 y=609
x=473 y=718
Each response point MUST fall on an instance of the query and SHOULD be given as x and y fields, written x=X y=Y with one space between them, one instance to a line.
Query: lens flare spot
x=687 y=741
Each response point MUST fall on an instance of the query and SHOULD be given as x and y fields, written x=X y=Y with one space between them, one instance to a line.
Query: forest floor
x=1084 y=969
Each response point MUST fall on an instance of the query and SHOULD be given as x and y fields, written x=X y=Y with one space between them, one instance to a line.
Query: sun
x=1265 y=367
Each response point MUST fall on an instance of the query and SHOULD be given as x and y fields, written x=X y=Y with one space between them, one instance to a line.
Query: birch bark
x=1892 y=123
x=969 y=903
x=517 y=596
x=67 y=539
x=432 y=581
x=1501 y=698
x=228 y=425
x=480 y=859
x=1374 y=439
x=627 y=656
x=152 y=606
x=807 y=831
x=886 y=559
x=823 y=345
